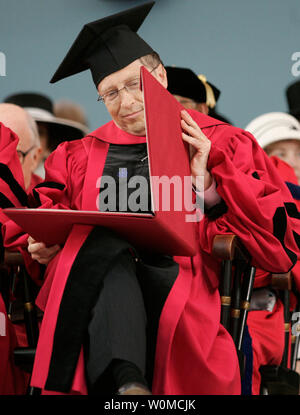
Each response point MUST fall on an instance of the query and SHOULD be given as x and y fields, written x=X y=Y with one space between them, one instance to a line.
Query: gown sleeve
x=256 y=204
x=64 y=176
x=12 y=194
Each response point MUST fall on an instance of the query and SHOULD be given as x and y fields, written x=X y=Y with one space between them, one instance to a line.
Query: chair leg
x=247 y=287
x=287 y=326
x=225 y=290
x=30 y=315
x=236 y=302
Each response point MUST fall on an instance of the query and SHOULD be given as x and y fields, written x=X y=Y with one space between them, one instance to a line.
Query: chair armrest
x=12 y=258
x=229 y=247
x=282 y=281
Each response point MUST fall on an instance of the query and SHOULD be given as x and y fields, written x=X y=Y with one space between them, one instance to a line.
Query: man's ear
x=162 y=75
x=36 y=158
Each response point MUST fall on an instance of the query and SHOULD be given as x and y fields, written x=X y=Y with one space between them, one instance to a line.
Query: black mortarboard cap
x=184 y=82
x=106 y=45
x=293 y=98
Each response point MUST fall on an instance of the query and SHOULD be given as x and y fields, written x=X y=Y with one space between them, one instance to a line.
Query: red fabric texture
x=35 y=180
x=12 y=379
x=9 y=159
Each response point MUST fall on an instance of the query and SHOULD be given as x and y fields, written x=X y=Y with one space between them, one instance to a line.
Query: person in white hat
x=52 y=129
x=278 y=134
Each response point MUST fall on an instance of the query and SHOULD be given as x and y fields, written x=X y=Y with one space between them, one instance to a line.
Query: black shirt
x=125 y=184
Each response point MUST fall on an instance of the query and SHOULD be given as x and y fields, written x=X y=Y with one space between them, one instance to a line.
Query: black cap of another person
x=293 y=98
x=184 y=82
x=106 y=45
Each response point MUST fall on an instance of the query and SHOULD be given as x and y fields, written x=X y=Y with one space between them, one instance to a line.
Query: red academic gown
x=12 y=379
x=194 y=353
x=35 y=180
x=266 y=328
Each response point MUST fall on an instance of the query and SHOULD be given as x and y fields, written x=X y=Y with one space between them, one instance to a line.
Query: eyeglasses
x=132 y=87
x=22 y=154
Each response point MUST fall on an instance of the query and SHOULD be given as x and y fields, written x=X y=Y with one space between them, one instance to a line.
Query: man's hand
x=40 y=252
x=199 y=148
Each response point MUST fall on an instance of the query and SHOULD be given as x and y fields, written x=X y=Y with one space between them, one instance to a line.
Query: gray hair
x=152 y=60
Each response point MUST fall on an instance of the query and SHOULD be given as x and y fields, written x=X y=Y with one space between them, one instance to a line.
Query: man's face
x=288 y=151
x=127 y=109
x=28 y=155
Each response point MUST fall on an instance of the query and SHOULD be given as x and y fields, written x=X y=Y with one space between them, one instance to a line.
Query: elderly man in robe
x=103 y=347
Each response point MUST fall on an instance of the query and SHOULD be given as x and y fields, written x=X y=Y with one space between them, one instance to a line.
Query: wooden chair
x=235 y=287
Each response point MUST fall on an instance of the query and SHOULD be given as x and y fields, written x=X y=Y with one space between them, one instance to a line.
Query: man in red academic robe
x=12 y=183
x=194 y=353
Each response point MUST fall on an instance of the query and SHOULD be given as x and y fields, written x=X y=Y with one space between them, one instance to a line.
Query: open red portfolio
x=170 y=231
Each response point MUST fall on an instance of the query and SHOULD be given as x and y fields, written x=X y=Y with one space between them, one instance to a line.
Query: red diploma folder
x=171 y=227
